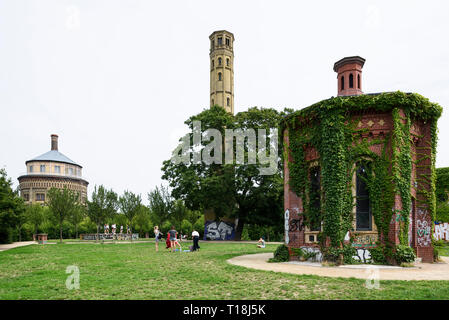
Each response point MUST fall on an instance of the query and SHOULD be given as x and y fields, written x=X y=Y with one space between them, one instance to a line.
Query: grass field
x=136 y=271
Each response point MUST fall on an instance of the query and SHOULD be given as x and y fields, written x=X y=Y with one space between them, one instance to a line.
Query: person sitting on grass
x=167 y=241
x=261 y=243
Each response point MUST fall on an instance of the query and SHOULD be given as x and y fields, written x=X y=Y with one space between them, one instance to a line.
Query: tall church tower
x=222 y=70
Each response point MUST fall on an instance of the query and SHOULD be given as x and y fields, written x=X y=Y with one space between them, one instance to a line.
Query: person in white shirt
x=195 y=237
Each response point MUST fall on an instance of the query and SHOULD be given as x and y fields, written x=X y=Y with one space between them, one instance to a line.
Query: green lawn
x=136 y=271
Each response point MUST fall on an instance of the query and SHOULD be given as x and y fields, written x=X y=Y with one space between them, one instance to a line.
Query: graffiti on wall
x=423 y=229
x=363 y=255
x=295 y=225
x=286 y=226
x=441 y=231
x=219 y=230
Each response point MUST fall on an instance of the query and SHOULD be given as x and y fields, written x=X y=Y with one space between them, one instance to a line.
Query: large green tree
x=35 y=216
x=160 y=205
x=62 y=203
x=103 y=206
x=130 y=205
x=230 y=188
x=11 y=208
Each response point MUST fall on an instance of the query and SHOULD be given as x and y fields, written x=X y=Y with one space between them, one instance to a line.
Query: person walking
x=195 y=237
x=157 y=232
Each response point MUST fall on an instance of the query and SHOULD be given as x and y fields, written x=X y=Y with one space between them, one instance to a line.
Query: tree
x=11 y=207
x=35 y=216
x=62 y=203
x=129 y=205
x=234 y=189
x=142 y=220
x=160 y=206
x=102 y=206
x=77 y=216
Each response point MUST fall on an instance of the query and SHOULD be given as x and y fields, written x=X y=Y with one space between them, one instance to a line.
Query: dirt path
x=8 y=246
x=421 y=271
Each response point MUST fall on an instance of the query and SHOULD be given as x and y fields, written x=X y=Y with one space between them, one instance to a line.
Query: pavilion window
x=363 y=208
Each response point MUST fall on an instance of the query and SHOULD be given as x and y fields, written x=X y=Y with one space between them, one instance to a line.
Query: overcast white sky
x=117 y=79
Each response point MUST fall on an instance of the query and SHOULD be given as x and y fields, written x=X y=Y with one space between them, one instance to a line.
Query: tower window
x=358 y=81
x=213 y=103
x=363 y=209
x=220 y=41
x=228 y=101
x=351 y=81
x=342 y=83
x=40 y=196
x=219 y=76
x=212 y=43
x=227 y=62
x=213 y=63
x=227 y=42
x=31 y=168
x=219 y=61
x=42 y=167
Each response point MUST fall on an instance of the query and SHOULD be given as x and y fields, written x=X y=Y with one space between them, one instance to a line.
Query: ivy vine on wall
x=330 y=127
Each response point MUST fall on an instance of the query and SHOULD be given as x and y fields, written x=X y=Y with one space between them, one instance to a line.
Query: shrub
x=186 y=227
x=404 y=254
x=281 y=254
x=377 y=255
x=199 y=226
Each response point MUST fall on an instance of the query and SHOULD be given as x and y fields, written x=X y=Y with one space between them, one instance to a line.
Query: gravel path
x=421 y=271
x=4 y=247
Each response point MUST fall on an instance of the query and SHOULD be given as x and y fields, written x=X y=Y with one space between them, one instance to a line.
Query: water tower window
x=213 y=63
x=227 y=62
x=227 y=42
x=220 y=41
x=219 y=61
x=219 y=76
x=342 y=83
x=227 y=102
x=213 y=102
x=351 y=81
x=42 y=167
x=358 y=81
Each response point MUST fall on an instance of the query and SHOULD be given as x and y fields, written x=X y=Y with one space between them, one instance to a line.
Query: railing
x=53 y=174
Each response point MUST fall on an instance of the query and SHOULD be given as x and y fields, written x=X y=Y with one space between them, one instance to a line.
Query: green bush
x=404 y=254
x=377 y=255
x=199 y=226
x=186 y=227
x=281 y=254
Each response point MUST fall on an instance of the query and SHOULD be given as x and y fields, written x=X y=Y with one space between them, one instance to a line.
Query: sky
x=117 y=79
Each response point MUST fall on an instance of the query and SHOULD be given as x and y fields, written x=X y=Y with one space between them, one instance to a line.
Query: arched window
x=227 y=62
x=342 y=83
x=358 y=81
x=219 y=76
x=351 y=81
x=228 y=101
x=363 y=208
x=315 y=199
x=219 y=61
x=213 y=103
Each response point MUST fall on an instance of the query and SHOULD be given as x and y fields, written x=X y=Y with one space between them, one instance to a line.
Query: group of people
x=114 y=228
x=172 y=240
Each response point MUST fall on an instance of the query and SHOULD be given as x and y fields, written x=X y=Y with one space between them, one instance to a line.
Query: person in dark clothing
x=195 y=237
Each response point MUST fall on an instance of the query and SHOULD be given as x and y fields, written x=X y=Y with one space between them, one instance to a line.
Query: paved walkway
x=421 y=271
x=4 y=247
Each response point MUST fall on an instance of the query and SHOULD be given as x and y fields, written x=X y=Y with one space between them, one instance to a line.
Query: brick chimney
x=349 y=76
x=54 y=142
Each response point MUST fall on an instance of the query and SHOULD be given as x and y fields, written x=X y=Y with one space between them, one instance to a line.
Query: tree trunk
x=60 y=232
x=238 y=230
x=98 y=231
